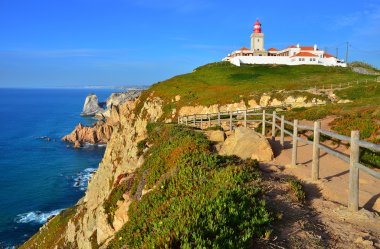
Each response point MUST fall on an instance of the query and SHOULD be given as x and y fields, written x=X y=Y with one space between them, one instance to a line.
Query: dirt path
x=328 y=197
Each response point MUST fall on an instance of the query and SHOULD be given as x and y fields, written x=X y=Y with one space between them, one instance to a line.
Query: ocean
x=38 y=178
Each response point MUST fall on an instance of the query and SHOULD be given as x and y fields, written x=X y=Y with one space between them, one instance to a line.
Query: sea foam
x=82 y=178
x=36 y=216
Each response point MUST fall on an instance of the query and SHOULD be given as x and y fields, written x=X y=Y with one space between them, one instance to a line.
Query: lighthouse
x=257 y=40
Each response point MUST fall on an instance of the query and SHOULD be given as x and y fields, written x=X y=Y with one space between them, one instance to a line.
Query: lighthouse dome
x=257 y=27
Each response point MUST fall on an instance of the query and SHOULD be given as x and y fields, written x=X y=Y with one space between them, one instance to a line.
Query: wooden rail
x=215 y=119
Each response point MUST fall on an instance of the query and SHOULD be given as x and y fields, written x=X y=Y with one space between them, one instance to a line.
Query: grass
x=370 y=158
x=225 y=83
x=362 y=114
x=365 y=65
x=110 y=205
x=52 y=233
x=198 y=200
x=297 y=189
x=214 y=128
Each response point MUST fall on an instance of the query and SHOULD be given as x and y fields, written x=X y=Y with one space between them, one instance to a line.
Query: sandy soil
x=324 y=222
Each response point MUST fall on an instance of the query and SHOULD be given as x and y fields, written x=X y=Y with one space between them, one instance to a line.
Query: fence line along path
x=279 y=123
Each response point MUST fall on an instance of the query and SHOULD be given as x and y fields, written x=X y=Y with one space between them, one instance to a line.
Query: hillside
x=162 y=185
x=224 y=83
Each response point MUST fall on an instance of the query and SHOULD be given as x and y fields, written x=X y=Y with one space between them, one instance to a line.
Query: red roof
x=257 y=22
x=244 y=49
x=303 y=48
x=307 y=48
x=326 y=55
x=273 y=49
x=304 y=54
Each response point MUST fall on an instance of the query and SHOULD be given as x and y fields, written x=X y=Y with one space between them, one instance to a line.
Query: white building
x=292 y=55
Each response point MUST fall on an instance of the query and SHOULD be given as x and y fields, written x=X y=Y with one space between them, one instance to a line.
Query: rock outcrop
x=99 y=133
x=216 y=136
x=264 y=101
x=90 y=225
x=91 y=106
x=246 y=143
x=120 y=98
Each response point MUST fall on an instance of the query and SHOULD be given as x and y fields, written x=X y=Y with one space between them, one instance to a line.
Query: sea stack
x=91 y=106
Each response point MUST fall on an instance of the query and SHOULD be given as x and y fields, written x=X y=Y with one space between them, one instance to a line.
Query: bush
x=297 y=189
x=198 y=199
x=140 y=147
x=370 y=158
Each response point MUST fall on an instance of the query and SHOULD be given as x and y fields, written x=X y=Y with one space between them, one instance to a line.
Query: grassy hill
x=224 y=83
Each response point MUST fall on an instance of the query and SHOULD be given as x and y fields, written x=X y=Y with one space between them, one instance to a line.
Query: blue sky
x=73 y=43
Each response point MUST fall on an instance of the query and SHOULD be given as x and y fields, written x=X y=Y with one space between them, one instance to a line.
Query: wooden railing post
x=282 y=130
x=219 y=124
x=178 y=120
x=194 y=121
x=186 y=120
x=209 y=120
x=295 y=142
x=263 y=124
x=316 y=150
x=274 y=126
x=245 y=118
x=230 y=121
x=201 y=122
x=353 y=188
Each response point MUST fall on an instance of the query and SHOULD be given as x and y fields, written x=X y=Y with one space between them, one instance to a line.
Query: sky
x=76 y=43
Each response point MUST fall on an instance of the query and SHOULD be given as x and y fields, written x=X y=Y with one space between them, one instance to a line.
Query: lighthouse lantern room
x=257 y=40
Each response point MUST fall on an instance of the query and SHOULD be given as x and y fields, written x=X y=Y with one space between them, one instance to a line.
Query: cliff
x=146 y=184
x=100 y=132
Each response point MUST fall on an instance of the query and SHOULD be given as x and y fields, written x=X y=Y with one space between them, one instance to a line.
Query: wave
x=88 y=145
x=36 y=216
x=82 y=178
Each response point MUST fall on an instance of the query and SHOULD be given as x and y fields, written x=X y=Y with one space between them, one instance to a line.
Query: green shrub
x=370 y=158
x=199 y=199
x=141 y=146
x=297 y=189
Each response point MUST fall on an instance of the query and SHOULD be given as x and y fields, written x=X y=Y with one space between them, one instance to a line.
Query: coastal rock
x=91 y=224
x=77 y=144
x=100 y=133
x=91 y=106
x=120 y=98
x=216 y=136
x=246 y=143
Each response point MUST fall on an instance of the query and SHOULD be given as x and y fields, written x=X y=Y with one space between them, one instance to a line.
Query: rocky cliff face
x=120 y=98
x=91 y=106
x=100 y=132
x=264 y=101
x=90 y=225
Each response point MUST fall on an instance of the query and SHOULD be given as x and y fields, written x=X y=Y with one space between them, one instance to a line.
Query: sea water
x=39 y=178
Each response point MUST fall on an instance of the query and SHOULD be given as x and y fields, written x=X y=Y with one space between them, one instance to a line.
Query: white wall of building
x=284 y=60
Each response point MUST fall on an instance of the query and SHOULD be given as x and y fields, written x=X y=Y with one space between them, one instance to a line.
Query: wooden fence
x=262 y=116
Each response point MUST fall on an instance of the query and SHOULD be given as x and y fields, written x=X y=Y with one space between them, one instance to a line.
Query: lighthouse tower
x=257 y=40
